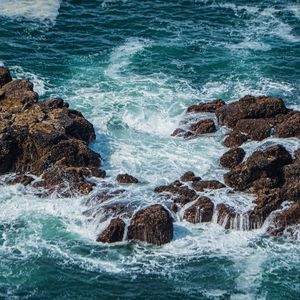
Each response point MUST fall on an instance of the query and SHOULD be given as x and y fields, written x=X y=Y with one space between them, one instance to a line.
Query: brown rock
x=285 y=220
x=232 y=158
x=201 y=211
x=226 y=216
x=5 y=76
x=250 y=107
x=290 y=127
x=113 y=233
x=203 y=126
x=255 y=129
x=153 y=225
x=235 y=139
x=126 y=179
x=206 y=107
x=200 y=186
x=189 y=176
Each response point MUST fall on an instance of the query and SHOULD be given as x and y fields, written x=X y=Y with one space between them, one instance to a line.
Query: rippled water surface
x=132 y=68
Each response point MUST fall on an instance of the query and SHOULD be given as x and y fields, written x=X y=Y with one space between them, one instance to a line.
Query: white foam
x=38 y=82
x=33 y=9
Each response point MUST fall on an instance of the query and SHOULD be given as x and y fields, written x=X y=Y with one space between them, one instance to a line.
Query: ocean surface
x=132 y=68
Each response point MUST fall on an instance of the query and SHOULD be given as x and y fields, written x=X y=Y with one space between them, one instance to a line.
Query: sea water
x=132 y=68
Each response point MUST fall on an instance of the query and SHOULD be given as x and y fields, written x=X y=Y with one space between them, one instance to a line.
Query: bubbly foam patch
x=33 y=9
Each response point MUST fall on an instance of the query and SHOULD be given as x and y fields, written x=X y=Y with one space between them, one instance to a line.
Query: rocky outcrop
x=45 y=139
x=206 y=107
x=113 y=233
x=201 y=211
x=263 y=169
x=153 y=224
x=232 y=158
x=196 y=129
x=126 y=179
x=202 y=185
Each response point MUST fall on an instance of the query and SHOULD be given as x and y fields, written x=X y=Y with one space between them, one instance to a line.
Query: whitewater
x=132 y=68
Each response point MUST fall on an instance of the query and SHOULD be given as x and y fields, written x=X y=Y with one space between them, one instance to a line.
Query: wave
x=33 y=9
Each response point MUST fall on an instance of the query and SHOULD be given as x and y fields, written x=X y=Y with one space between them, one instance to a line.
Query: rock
x=203 y=126
x=232 y=158
x=45 y=139
x=189 y=176
x=113 y=233
x=179 y=193
x=290 y=127
x=226 y=216
x=201 y=211
x=260 y=169
x=255 y=129
x=153 y=225
x=250 y=107
x=206 y=107
x=5 y=76
x=196 y=129
x=286 y=220
x=291 y=187
x=200 y=186
x=126 y=179
x=235 y=139
x=266 y=202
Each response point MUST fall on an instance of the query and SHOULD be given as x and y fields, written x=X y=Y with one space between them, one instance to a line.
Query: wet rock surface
x=206 y=107
x=232 y=158
x=113 y=233
x=153 y=224
x=201 y=211
x=45 y=139
x=126 y=179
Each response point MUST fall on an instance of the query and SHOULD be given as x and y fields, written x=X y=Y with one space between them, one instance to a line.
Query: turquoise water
x=132 y=68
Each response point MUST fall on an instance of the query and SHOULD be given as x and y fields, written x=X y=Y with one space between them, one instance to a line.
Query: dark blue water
x=132 y=68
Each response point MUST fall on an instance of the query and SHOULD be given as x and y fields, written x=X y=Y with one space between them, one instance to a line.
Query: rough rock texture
x=189 y=176
x=113 y=233
x=226 y=216
x=250 y=107
x=5 y=76
x=206 y=107
x=126 y=179
x=235 y=139
x=232 y=158
x=200 y=186
x=286 y=221
x=153 y=224
x=45 y=139
x=196 y=129
x=201 y=211
x=263 y=169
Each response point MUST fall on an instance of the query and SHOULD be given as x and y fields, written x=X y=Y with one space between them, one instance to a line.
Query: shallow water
x=132 y=68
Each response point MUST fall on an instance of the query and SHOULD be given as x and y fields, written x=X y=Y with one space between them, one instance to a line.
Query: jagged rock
x=286 y=220
x=235 y=139
x=45 y=139
x=201 y=211
x=5 y=76
x=263 y=169
x=181 y=194
x=232 y=158
x=200 y=186
x=266 y=202
x=250 y=107
x=226 y=216
x=113 y=233
x=196 y=129
x=189 y=176
x=290 y=127
x=255 y=129
x=153 y=225
x=126 y=179
x=206 y=107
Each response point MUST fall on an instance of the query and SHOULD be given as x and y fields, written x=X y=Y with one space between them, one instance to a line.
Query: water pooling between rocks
x=46 y=145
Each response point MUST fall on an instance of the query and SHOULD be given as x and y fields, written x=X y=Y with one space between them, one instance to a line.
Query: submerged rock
x=126 y=179
x=153 y=225
x=113 y=233
x=201 y=211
